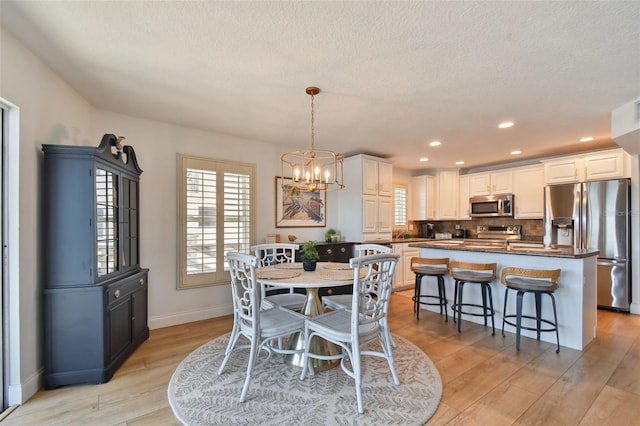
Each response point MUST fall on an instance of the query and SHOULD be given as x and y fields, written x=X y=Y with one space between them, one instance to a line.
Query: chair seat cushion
x=531 y=284
x=338 y=324
x=278 y=321
x=338 y=301
x=292 y=301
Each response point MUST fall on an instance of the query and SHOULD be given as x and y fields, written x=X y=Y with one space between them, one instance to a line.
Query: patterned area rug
x=198 y=396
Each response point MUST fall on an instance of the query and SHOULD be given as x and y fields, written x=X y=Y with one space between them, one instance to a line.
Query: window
x=399 y=206
x=216 y=199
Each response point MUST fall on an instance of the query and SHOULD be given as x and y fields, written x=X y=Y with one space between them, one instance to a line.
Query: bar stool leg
x=538 y=297
x=459 y=306
x=490 y=296
x=504 y=309
x=416 y=296
x=518 y=317
x=442 y=293
x=555 y=318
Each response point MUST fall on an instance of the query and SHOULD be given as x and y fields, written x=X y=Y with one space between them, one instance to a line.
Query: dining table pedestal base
x=312 y=307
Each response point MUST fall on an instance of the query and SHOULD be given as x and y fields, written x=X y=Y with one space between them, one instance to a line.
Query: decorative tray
x=277 y=274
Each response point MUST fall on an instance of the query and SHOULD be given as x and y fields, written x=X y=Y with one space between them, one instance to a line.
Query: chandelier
x=314 y=170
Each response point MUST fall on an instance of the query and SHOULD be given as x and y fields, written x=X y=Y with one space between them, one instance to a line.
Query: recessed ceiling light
x=435 y=143
x=459 y=163
x=587 y=139
x=505 y=125
x=423 y=159
x=516 y=152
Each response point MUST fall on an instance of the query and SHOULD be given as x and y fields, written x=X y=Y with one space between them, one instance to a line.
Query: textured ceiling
x=393 y=75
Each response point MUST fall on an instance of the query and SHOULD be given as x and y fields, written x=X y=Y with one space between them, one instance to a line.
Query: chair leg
x=235 y=334
x=504 y=308
x=518 y=317
x=555 y=319
x=252 y=361
x=357 y=373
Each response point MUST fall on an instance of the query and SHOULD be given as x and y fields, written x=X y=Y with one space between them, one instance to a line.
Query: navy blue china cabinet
x=95 y=292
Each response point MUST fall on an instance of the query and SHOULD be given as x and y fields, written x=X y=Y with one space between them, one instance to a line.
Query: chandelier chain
x=313 y=139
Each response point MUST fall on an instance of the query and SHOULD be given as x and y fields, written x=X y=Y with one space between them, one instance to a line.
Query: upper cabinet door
x=529 y=192
x=369 y=176
x=609 y=165
x=479 y=184
x=565 y=170
x=385 y=179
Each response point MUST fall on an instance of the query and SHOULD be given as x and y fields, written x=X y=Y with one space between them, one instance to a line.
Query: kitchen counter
x=514 y=247
x=575 y=297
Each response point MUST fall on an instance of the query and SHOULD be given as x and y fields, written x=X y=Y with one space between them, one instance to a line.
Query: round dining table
x=292 y=275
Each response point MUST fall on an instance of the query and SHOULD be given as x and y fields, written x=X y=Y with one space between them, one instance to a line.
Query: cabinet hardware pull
x=116 y=294
x=329 y=251
x=141 y=281
x=343 y=249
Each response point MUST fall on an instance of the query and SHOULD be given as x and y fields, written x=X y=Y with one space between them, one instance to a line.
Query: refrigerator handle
x=584 y=217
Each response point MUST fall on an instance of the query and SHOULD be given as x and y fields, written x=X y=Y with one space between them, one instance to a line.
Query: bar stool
x=474 y=273
x=429 y=267
x=538 y=282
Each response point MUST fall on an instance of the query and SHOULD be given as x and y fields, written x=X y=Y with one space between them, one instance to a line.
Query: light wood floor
x=485 y=380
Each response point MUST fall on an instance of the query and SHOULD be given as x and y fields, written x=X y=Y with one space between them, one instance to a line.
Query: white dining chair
x=271 y=254
x=264 y=328
x=356 y=328
x=343 y=301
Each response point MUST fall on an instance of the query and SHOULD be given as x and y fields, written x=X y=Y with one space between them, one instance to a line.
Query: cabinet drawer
x=122 y=289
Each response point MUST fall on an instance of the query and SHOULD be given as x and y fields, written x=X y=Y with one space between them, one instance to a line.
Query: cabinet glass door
x=129 y=222
x=106 y=222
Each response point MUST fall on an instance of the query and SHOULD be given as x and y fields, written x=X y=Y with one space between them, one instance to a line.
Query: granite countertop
x=517 y=248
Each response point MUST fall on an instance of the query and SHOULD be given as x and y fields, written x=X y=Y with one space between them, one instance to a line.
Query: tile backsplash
x=532 y=229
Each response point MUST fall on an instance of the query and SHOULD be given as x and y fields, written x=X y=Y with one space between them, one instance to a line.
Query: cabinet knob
x=141 y=281
x=116 y=294
x=343 y=250
x=329 y=251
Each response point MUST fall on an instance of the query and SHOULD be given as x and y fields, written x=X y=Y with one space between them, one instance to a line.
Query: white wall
x=52 y=112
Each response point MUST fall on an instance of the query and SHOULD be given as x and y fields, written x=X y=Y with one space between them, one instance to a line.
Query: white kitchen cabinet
x=365 y=211
x=500 y=182
x=528 y=190
x=610 y=164
x=377 y=177
x=404 y=278
x=423 y=198
x=447 y=204
x=463 y=207
x=564 y=170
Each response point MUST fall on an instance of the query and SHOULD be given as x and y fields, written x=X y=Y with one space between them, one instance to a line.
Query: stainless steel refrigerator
x=595 y=215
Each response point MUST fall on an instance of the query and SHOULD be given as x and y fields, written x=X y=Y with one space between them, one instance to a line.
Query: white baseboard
x=191 y=316
x=19 y=393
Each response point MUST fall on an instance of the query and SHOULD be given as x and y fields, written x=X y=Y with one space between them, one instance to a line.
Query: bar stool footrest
x=487 y=311
x=554 y=327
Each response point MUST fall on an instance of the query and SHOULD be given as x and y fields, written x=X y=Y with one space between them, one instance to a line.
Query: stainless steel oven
x=491 y=205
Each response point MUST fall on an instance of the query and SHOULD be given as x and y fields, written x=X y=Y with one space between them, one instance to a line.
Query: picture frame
x=296 y=209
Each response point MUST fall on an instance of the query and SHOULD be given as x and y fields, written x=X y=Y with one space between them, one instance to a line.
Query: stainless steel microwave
x=491 y=205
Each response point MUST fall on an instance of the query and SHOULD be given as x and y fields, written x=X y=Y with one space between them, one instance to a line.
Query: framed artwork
x=299 y=209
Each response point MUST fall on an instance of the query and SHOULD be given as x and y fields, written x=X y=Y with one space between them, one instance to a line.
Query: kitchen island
x=575 y=298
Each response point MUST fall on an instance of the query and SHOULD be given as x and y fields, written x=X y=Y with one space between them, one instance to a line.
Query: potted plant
x=330 y=233
x=309 y=255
